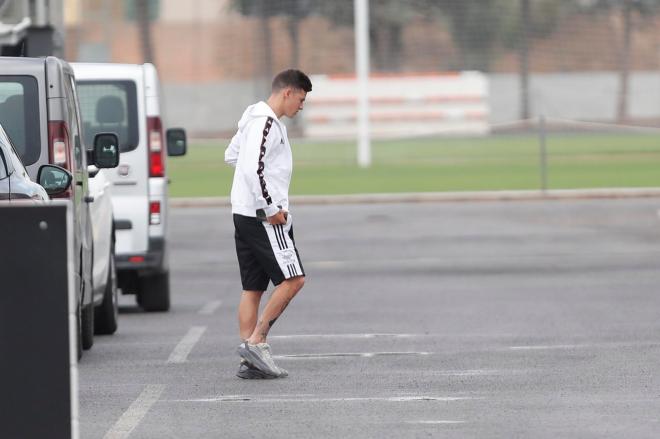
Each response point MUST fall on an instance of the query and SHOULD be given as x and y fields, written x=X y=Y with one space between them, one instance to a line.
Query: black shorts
x=265 y=252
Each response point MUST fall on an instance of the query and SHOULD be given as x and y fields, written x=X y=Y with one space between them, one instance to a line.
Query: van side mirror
x=176 y=142
x=54 y=179
x=106 y=150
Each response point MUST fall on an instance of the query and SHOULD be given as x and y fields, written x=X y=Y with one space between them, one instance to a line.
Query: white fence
x=401 y=105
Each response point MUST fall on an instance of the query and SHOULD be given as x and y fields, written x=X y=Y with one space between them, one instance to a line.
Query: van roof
x=12 y=65
x=112 y=70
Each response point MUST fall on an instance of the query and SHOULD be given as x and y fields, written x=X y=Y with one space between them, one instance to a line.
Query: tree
x=627 y=10
x=529 y=20
x=294 y=10
x=387 y=19
x=144 y=24
x=475 y=28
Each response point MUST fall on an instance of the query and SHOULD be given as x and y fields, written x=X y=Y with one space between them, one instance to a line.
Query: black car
x=15 y=184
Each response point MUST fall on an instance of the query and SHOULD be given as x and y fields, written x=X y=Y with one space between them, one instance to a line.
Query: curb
x=432 y=197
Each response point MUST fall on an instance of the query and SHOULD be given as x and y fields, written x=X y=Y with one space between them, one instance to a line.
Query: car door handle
x=89 y=199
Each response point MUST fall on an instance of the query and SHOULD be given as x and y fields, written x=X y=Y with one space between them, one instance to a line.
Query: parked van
x=39 y=111
x=125 y=99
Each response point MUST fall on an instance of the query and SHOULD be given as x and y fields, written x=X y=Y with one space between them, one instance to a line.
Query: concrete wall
x=582 y=96
x=209 y=110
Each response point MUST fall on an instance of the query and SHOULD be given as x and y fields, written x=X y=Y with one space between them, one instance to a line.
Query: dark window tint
x=19 y=115
x=109 y=106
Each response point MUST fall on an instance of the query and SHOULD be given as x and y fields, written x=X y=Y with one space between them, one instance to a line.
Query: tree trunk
x=266 y=44
x=263 y=58
x=377 y=39
x=624 y=66
x=294 y=35
x=144 y=25
x=523 y=54
x=395 y=47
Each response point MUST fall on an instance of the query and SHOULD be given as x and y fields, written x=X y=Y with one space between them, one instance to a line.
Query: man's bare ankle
x=254 y=341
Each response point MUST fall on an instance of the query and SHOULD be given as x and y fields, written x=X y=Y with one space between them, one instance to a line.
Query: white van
x=124 y=99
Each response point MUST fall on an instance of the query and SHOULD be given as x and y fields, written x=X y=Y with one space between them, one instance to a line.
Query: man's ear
x=287 y=92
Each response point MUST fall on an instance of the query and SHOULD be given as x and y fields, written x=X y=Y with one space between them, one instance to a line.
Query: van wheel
x=105 y=315
x=154 y=292
x=87 y=327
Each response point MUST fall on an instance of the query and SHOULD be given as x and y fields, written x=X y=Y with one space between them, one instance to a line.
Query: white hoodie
x=261 y=153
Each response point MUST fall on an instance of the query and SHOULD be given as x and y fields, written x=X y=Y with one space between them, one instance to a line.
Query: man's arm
x=252 y=163
x=231 y=153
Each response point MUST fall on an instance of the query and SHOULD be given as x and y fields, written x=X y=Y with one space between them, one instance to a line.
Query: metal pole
x=362 y=72
x=543 y=154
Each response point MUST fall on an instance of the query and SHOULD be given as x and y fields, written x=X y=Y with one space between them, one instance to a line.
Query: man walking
x=265 y=246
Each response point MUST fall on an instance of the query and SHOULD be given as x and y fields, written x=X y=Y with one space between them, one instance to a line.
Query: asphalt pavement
x=516 y=319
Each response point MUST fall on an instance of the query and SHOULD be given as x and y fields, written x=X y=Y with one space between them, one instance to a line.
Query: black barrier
x=36 y=358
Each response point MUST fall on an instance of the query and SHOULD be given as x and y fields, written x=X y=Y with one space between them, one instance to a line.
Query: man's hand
x=278 y=218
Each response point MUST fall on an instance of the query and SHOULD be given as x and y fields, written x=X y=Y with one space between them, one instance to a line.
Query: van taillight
x=58 y=142
x=155 y=136
x=154 y=212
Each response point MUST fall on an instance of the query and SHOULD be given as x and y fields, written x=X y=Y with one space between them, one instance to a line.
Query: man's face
x=294 y=100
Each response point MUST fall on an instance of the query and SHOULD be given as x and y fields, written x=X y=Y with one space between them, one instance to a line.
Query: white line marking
x=187 y=343
x=259 y=399
x=435 y=422
x=542 y=347
x=386 y=335
x=133 y=416
x=210 y=308
x=612 y=345
x=346 y=336
x=467 y=373
x=349 y=354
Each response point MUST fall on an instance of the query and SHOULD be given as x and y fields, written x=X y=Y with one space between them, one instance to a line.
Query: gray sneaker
x=258 y=355
x=247 y=371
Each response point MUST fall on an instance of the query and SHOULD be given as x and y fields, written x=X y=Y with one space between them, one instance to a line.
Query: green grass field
x=441 y=164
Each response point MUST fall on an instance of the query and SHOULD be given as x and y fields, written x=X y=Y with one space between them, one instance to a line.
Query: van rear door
x=114 y=105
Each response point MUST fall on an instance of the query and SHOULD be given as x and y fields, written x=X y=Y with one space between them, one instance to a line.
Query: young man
x=265 y=247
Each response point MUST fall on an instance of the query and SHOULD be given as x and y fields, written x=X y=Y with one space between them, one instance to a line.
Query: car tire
x=154 y=292
x=87 y=326
x=106 y=314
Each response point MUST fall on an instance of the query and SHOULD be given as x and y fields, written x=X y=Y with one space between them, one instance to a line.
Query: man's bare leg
x=276 y=305
x=248 y=310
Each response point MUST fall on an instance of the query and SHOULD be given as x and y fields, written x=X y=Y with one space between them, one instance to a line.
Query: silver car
x=39 y=110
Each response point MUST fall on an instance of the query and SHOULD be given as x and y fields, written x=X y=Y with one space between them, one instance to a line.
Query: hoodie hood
x=260 y=109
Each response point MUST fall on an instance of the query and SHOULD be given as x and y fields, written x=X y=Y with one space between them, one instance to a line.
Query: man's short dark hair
x=292 y=78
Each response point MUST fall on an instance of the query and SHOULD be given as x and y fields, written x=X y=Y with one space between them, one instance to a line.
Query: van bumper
x=151 y=261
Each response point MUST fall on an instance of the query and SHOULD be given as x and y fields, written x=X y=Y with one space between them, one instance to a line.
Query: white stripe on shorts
x=285 y=251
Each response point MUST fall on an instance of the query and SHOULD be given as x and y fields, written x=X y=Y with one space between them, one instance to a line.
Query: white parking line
x=293 y=336
x=435 y=422
x=133 y=416
x=547 y=347
x=349 y=354
x=469 y=373
x=261 y=399
x=210 y=308
x=187 y=343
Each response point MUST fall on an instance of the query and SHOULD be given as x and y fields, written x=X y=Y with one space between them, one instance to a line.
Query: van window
x=19 y=115
x=109 y=106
